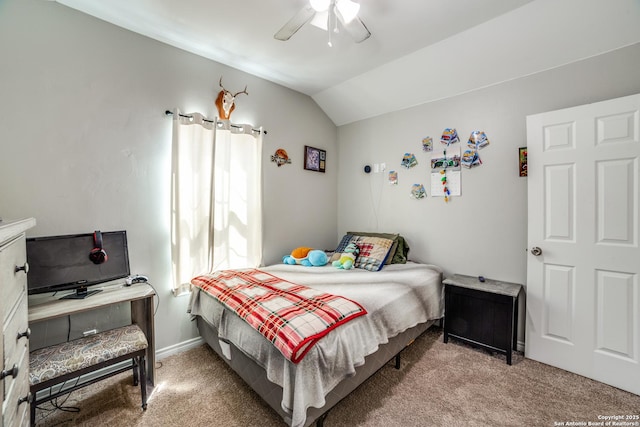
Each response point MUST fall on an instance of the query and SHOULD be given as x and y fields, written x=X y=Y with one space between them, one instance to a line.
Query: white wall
x=84 y=142
x=483 y=232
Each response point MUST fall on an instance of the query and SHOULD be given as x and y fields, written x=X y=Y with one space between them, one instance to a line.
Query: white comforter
x=396 y=298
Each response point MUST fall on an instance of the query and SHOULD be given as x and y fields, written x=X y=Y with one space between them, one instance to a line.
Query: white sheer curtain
x=216 y=197
x=237 y=225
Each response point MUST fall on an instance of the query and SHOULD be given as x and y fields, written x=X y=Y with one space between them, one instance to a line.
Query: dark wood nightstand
x=484 y=314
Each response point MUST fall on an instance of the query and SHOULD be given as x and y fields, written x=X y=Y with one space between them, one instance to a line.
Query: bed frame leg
x=321 y=418
x=398 y=361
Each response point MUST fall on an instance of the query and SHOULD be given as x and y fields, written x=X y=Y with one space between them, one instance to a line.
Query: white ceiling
x=412 y=41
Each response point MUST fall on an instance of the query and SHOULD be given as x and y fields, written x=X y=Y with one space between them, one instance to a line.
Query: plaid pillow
x=391 y=259
x=373 y=252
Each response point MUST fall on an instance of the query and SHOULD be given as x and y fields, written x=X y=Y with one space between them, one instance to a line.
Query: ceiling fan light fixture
x=320 y=20
x=320 y=5
x=348 y=9
x=327 y=15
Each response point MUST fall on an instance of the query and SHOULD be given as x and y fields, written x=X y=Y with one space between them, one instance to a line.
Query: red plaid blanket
x=293 y=317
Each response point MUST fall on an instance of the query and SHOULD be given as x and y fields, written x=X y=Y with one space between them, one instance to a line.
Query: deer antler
x=225 y=102
x=237 y=93
x=244 y=91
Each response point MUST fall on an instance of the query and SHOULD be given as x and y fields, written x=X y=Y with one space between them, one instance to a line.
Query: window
x=216 y=197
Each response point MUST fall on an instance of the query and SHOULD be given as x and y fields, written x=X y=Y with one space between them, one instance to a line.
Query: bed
x=401 y=300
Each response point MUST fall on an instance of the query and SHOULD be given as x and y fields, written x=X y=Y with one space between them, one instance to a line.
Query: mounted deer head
x=225 y=102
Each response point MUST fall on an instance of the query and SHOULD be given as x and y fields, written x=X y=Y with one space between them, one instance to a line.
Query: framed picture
x=315 y=159
x=522 y=161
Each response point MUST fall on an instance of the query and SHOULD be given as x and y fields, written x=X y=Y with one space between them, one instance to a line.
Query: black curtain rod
x=186 y=116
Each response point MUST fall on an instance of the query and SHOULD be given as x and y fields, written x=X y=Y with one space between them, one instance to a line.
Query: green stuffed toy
x=348 y=257
x=307 y=257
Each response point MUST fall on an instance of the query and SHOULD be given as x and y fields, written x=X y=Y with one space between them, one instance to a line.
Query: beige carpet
x=438 y=385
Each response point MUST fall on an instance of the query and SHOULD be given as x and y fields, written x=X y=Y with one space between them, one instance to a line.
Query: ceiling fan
x=326 y=14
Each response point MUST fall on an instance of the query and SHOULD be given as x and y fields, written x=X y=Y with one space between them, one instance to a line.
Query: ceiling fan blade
x=356 y=28
x=303 y=16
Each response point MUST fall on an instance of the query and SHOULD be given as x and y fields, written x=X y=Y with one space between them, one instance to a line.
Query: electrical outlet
x=376 y=168
x=383 y=167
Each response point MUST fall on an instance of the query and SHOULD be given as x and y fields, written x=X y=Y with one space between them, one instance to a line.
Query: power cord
x=158 y=298
x=59 y=406
x=144 y=279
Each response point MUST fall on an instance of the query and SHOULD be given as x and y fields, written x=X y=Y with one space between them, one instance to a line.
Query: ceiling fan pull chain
x=332 y=22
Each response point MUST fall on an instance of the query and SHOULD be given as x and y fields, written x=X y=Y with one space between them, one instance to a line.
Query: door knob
x=536 y=251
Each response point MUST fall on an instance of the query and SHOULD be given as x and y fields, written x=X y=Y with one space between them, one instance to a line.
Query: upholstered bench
x=56 y=364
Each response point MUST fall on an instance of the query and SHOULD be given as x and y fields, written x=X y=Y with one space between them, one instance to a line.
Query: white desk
x=139 y=294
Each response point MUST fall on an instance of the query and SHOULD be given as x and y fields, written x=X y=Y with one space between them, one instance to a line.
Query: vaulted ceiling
x=419 y=51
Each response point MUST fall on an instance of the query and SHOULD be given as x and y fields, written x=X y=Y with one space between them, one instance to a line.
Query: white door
x=583 y=289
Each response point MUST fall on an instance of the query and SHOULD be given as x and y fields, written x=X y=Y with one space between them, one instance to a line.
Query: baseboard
x=520 y=346
x=179 y=347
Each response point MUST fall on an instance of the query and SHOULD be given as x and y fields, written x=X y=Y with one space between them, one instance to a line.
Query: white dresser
x=15 y=327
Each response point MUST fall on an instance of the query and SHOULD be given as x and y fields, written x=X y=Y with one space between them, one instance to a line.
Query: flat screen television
x=59 y=263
